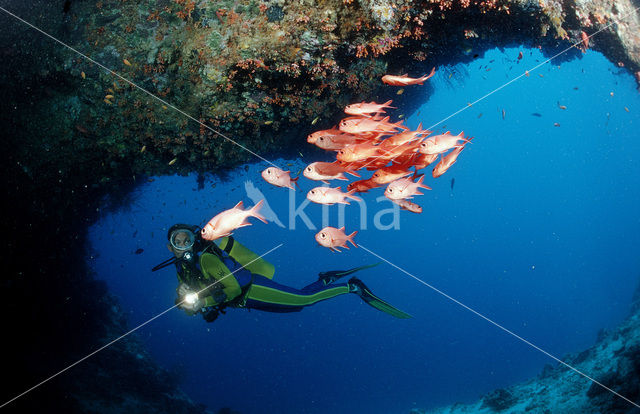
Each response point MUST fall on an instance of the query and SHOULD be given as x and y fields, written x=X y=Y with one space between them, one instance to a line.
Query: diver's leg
x=265 y=293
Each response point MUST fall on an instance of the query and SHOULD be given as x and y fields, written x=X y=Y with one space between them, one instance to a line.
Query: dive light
x=191 y=298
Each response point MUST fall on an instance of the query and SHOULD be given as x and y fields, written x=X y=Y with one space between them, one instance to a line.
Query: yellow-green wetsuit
x=250 y=287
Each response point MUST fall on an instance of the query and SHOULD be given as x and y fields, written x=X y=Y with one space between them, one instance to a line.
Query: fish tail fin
x=421 y=185
x=387 y=104
x=350 y=238
x=351 y=196
x=254 y=212
x=295 y=182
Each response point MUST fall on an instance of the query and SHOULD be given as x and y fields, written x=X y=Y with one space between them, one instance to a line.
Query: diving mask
x=182 y=239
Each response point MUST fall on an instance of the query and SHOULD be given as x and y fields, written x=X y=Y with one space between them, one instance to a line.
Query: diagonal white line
x=131 y=331
x=499 y=326
x=138 y=87
x=525 y=73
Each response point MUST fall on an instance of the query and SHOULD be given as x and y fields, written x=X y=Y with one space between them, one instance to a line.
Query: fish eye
x=268 y=171
x=390 y=190
x=320 y=139
x=323 y=235
x=313 y=191
x=308 y=168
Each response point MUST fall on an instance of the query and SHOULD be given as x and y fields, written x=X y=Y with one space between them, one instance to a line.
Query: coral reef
x=261 y=73
x=614 y=361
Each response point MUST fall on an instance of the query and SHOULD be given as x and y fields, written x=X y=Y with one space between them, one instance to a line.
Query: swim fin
x=356 y=286
x=333 y=275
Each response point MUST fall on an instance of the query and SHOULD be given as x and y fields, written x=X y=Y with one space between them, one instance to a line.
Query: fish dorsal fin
x=341 y=228
x=239 y=205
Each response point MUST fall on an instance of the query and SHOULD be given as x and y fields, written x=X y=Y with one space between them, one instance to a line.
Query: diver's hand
x=192 y=307
x=183 y=289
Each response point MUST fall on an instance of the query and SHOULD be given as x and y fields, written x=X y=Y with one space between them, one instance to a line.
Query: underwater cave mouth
x=538 y=233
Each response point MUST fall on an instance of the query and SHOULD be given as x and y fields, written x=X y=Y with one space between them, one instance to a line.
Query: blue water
x=540 y=233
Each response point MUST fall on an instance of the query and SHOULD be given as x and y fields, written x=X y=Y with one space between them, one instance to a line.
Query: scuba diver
x=215 y=275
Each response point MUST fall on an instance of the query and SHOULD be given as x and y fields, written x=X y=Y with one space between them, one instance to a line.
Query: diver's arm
x=227 y=281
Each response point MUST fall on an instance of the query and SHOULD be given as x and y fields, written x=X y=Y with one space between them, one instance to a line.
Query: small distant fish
x=400 y=92
x=526 y=72
x=108 y=97
x=453 y=181
x=268 y=122
x=108 y=102
x=480 y=115
x=143 y=149
x=135 y=233
x=83 y=75
x=82 y=129
x=561 y=106
x=611 y=93
x=626 y=109
x=173 y=161
x=139 y=251
x=555 y=124
x=520 y=55
x=315 y=120
x=503 y=113
x=536 y=114
x=126 y=62
x=541 y=75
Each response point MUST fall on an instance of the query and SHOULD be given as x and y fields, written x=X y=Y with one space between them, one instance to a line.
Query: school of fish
x=365 y=140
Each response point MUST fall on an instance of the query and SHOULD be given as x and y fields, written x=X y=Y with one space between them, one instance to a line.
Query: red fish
x=279 y=178
x=330 y=196
x=585 y=42
x=333 y=238
x=337 y=142
x=357 y=152
x=405 y=80
x=404 y=137
x=441 y=143
x=365 y=109
x=404 y=188
x=226 y=222
x=447 y=161
x=359 y=125
x=323 y=171
x=388 y=174
x=362 y=186
x=408 y=205
x=311 y=138
x=424 y=160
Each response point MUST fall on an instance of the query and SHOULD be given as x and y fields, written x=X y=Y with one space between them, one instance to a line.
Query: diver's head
x=181 y=238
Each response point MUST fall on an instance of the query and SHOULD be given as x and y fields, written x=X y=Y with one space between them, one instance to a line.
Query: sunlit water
x=540 y=233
